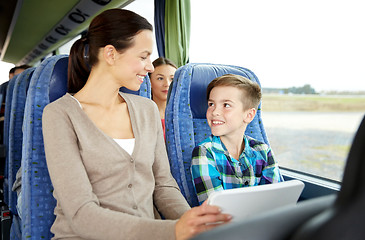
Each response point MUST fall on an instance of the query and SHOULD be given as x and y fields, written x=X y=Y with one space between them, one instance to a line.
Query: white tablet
x=244 y=202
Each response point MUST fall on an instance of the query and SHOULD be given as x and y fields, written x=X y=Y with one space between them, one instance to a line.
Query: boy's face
x=226 y=113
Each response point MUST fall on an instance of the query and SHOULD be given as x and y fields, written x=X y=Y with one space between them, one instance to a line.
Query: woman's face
x=161 y=79
x=134 y=63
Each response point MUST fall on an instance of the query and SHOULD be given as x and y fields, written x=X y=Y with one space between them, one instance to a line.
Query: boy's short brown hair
x=252 y=91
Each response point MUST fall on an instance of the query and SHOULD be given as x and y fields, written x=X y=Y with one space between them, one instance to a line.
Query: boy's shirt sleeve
x=271 y=172
x=206 y=177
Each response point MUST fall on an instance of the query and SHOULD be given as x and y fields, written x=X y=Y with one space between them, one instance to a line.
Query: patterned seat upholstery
x=37 y=199
x=186 y=124
x=15 y=142
x=8 y=101
x=16 y=132
x=48 y=83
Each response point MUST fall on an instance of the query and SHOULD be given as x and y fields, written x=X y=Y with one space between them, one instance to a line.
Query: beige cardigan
x=102 y=192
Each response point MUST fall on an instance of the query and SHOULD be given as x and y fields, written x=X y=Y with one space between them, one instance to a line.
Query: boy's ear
x=250 y=115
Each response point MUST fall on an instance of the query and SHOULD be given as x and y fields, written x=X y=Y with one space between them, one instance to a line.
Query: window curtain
x=177 y=31
x=160 y=26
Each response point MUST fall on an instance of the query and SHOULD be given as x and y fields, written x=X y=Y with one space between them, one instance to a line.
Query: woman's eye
x=144 y=58
x=160 y=78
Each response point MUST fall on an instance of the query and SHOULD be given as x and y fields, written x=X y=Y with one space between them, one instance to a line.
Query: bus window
x=65 y=49
x=309 y=58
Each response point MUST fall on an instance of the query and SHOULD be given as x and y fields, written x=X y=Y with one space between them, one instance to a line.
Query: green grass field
x=312 y=103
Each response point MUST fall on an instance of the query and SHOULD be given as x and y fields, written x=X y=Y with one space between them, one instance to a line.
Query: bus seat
x=186 y=124
x=16 y=132
x=8 y=101
x=49 y=82
x=330 y=217
x=15 y=143
x=6 y=224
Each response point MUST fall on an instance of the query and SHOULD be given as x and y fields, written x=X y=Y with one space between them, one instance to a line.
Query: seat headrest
x=58 y=82
x=201 y=76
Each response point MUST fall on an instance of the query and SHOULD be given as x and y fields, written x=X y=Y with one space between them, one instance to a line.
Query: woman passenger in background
x=161 y=78
x=105 y=150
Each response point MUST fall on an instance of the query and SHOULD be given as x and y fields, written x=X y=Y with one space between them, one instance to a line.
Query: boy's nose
x=216 y=112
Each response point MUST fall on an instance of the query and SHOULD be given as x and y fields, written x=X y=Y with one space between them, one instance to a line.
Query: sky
x=284 y=42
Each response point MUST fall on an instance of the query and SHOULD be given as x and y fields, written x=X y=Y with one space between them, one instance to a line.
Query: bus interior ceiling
x=46 y=25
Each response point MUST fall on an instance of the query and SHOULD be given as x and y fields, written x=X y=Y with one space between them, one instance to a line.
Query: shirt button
x=135 y=207
x=246 y=183
x=130 y=185
x=132 y=161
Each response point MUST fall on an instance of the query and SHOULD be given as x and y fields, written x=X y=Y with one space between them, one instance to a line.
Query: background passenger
x=161 y=78
x=229 y=158
x=17 y=70
x=105 y=150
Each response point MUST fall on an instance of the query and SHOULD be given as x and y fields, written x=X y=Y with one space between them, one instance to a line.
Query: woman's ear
x=109 y=52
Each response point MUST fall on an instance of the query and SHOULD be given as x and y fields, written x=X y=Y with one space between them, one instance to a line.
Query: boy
x=230 y=159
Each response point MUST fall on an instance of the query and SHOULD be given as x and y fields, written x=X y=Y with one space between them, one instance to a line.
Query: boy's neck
x=235 y=146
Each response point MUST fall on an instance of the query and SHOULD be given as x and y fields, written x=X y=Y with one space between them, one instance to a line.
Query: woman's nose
x=149 y=67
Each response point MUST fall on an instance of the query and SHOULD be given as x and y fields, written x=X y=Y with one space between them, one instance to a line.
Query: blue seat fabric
x=37 y=199
x=16 y=131
x=15 y=143
x=186 y=124
x=8 y=101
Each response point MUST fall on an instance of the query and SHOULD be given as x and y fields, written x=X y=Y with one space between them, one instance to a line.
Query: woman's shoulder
x=63 y=103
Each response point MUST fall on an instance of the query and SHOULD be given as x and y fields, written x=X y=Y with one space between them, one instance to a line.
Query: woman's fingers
x=200 y=219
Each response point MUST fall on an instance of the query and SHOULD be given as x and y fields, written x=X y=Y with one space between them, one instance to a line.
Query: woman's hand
x=199 y=219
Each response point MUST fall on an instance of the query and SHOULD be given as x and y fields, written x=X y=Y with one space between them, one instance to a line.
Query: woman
x=161 y=79
x=105 y=150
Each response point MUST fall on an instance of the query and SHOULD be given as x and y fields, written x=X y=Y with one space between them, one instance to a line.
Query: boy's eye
x=144 y=58
x=171 y=79
x=160 y=78
x=226 y=105
x=210 y=104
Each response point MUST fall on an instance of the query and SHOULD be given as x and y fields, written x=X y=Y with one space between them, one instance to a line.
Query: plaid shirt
x=214 y=169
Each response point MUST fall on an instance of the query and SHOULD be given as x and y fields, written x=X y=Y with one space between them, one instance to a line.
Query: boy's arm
x=271 y=172
x=206 y=177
